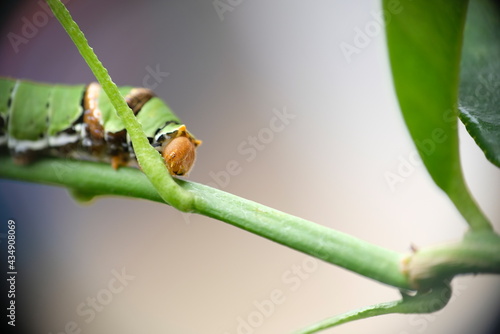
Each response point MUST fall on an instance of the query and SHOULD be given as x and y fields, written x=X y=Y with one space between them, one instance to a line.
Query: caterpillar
x=79 y=122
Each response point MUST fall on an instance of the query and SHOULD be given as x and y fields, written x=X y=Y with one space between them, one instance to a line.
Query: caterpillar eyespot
x=79 y=122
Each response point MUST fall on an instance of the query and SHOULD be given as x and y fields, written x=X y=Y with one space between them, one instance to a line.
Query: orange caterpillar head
x=179 y=155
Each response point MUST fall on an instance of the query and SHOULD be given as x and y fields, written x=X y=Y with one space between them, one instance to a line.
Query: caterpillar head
x=179 y=155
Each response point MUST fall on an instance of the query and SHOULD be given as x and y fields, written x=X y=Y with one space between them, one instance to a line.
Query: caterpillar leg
x=119 y=160
x=24 y=158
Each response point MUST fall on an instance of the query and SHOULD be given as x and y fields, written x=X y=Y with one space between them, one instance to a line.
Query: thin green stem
x=148 y=158
x=423 y=302
x=463 y=200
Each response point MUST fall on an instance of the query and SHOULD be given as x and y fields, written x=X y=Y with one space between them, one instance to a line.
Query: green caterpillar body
x=80 y=122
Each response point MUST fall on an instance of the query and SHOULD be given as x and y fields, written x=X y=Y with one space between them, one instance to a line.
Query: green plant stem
x=424 y=302
x=479 y=252
x=148 y=158
x=463 y=200
x=321 y=242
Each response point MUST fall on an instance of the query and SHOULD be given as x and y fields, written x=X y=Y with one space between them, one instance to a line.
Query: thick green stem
x=321 y=242
x=478 y=252
x=148 y=158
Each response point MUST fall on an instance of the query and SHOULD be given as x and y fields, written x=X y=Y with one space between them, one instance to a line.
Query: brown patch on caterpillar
x=95 y=141
x=110 y=145
x=179 y=155
x=116 y=141
x=24 y=158
x=92 y=114
x=119 y=160
x=64 y=151
x=117 y=146
x=138 y=97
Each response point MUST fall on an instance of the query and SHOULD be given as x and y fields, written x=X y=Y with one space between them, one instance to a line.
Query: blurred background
x=227 y=68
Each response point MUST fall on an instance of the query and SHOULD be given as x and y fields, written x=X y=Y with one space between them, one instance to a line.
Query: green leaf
x=480 y=78
x=424 y=42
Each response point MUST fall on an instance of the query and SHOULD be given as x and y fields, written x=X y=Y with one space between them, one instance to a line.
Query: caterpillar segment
x=79 y=122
